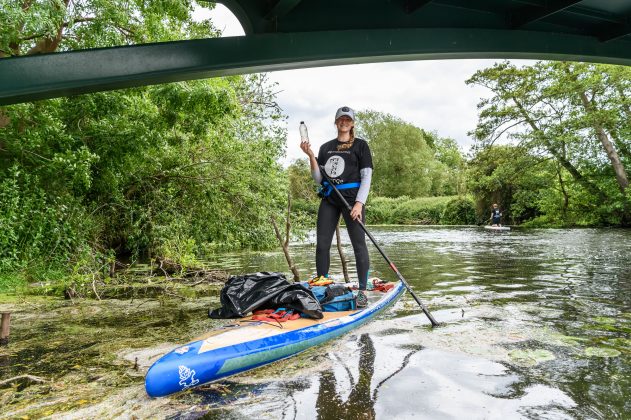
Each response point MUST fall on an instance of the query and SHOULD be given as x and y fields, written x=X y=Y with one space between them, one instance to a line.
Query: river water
x=534 y=324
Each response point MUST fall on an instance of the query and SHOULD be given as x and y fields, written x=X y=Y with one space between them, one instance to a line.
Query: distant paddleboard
x=496 y=227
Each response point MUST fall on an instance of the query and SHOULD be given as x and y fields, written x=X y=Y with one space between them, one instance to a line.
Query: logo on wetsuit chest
x=334 y=167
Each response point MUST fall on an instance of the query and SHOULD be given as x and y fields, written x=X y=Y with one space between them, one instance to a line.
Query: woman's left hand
x=356 y=212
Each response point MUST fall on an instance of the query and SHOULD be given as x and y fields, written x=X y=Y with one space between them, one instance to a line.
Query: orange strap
x=384 y=287
x=269 y=315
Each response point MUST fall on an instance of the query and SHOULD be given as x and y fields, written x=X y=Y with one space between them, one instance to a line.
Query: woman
x=348 y=162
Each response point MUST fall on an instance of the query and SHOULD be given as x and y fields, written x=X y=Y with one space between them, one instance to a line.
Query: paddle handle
x=381 y=251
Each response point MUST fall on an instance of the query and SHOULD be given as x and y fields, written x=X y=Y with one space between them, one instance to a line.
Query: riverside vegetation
x=176 y=171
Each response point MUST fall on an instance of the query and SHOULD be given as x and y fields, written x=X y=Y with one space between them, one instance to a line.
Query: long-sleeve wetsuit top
x=347 y=166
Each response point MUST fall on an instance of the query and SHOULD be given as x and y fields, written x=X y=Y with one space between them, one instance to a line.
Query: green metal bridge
x=290 y=34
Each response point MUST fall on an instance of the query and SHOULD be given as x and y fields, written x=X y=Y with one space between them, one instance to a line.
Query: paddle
x=383 y=254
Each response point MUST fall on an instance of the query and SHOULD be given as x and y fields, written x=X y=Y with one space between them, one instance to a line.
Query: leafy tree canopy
x=408 y=160
x=170 y=170
x=47 y=26
x=573 y=113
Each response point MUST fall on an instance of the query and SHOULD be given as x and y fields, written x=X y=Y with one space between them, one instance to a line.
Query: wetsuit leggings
x=328 y=217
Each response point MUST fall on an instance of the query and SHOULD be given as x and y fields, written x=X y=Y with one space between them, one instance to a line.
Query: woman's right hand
x=306 y=147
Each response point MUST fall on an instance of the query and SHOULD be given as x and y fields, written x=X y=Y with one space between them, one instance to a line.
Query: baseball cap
x=345 y=111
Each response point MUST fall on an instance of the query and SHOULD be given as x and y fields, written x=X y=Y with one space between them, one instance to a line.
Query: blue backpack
x=335 y=298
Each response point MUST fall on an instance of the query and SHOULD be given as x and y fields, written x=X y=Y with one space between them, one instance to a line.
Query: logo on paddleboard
x=182 y=350
x=334 y=167
x=187 y=377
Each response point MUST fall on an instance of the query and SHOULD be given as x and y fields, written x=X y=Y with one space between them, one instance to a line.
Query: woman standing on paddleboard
x=348 y=163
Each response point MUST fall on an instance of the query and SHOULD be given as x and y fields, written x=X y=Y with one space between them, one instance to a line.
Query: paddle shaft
x=383 y=254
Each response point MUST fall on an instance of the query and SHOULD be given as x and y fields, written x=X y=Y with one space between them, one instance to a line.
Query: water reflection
x=333 y=402
x=360 y=402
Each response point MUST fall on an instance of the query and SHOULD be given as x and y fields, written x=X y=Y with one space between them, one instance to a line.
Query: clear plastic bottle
x=304 y=136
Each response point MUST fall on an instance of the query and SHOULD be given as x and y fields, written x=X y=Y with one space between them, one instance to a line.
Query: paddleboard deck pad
x=246 y=344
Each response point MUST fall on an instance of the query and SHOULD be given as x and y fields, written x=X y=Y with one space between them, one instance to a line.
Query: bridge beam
x=523 y=16
x=44 y=76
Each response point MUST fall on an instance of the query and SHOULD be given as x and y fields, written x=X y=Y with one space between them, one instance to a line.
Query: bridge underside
x=290 y=34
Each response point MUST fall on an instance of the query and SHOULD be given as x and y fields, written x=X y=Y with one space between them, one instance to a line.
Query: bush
x=459 y=211
x=174 y=169
x=36 y=226
x=309 y=207
x=400 y=211
x=405 y=210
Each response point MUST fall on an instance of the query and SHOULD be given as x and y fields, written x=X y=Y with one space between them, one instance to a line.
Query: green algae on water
x=605 y=320
x=530 y=357
x=601 y=352
x=622 y=344
x=557 y=339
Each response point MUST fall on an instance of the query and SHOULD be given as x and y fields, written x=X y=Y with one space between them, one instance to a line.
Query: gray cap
x=345 y=111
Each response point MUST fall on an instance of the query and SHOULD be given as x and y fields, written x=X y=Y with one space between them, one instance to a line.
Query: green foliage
x=459 y=211
x=407 y=160
x=137 y=170
x=448 y=169
x=307 y=206
x=47 y=26
x=406 y=210
x=36 y=225
x=510 y=177
x=183 y=250
x=175 y=169
x=570 y=120
x=386 y=210
x=301 y=184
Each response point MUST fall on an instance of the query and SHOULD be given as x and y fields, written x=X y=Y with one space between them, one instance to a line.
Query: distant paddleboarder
x=348 y=163
x=496 y=215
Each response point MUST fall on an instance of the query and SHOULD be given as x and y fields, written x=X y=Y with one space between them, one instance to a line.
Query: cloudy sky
x=429 y=94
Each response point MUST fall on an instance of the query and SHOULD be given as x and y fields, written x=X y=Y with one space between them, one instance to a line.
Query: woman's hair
x=348 y=144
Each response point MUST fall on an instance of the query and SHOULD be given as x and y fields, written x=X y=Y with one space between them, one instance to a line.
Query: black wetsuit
x=343 y=167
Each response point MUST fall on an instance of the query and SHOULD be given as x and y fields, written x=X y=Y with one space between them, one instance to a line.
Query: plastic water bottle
x=304 y=136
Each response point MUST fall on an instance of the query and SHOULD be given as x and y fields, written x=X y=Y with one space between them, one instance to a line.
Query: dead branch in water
x=284 y=243
x=21 y=379
x=197 y=275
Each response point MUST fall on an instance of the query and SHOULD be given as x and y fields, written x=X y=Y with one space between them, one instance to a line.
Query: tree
x=178 y=168
x=566 y=111
x=35 y=27
x=596 y=105
x=449 y=171
x=510 y=177
x=401 y=157
x=301 y=184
